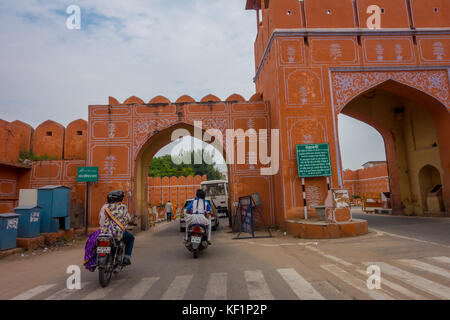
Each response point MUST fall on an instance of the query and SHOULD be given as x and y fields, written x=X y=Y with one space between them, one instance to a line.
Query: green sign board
x=87 y=174
x=313 y=160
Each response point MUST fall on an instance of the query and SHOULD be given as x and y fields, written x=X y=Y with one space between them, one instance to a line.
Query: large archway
x=412 y=124
x=148 y=151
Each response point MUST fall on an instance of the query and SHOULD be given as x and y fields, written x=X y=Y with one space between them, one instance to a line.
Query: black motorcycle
x=110 y=254
x=197 y=239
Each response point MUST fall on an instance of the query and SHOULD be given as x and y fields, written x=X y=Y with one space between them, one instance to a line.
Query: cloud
x=125 y=48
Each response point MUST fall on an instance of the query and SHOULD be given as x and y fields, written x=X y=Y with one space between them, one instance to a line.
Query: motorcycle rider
x=114 y=220
x=200 y=206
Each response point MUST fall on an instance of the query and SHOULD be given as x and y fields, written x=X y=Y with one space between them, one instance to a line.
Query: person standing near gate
x=169 y=211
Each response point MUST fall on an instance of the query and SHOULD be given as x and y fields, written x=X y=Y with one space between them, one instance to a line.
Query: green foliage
x=164 y=166
x=30 y=155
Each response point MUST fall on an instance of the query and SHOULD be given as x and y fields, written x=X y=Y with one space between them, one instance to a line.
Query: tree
x=164 y=166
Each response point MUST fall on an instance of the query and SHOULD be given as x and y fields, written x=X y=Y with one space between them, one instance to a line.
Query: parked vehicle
x=197 y=239
x=214 y=218
x=110 y=254
x=217 y=191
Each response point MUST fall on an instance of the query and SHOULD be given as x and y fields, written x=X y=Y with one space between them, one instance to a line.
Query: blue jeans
x=128 y=238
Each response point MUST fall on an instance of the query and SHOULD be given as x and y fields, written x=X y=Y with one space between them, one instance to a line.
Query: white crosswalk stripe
x=101 y=293
x=217 y=287
x=177 y=288
x=65 y=293
x=302 y=288
x=138 y=291
x=441 y=259
x=395 y=287
x=257 y=286
x=355 y=282
x=329 y=256
x=422 y=266
x=414 y=280
x=33 y=292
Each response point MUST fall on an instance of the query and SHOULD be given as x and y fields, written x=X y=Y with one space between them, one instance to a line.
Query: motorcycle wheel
x=104 y=276
x=195 y=253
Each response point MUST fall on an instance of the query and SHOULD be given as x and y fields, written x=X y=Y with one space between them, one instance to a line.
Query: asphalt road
x=282 y=267
x=424 y=228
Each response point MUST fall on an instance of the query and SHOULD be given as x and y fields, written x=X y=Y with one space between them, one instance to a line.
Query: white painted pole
x=304 y=199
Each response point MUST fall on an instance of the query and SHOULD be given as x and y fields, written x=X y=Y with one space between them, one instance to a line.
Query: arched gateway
x=314 y=60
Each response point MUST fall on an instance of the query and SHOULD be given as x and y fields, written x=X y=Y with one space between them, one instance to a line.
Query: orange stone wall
x=64 y=143
x=177 y=189
x=75 y=140
x=367 y=180
x=12 y=179
x=48 y=140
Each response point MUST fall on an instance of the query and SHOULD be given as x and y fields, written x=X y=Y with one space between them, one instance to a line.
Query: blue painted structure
x=9 y=226
x=29 y=221
x=54 y=201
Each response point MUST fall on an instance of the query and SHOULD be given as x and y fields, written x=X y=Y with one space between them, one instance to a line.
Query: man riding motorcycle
x=114 y=220
x=199 y=206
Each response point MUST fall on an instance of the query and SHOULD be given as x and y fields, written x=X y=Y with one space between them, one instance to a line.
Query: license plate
x=196 y=239
x=103 y=249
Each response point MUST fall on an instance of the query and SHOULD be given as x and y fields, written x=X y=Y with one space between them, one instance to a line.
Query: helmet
x=116 y=196
x=200 y=194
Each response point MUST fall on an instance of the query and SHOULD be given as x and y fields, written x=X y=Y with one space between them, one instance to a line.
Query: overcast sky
x=134 y=47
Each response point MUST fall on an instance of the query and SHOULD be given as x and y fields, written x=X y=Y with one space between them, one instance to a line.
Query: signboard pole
x=304 y=199
x=86 y=218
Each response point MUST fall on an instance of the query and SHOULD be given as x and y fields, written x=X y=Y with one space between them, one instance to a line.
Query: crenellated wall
x=175 y=189
x=66 y=147
x=367 y=180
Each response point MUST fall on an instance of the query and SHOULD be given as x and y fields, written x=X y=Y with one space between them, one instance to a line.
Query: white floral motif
x=111 y=130
x=438 y=50
x=304 y=94
x=399 y=51
x=291 y=54
x=335 y=51
x=380 y=51
x=109 y=165
x=347 y=85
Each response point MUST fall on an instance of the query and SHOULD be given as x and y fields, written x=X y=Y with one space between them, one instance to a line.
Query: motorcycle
x=197 y=239
x=110 y=254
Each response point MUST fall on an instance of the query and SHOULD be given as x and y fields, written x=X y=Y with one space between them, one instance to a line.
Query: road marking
x=426 y=285
x=33 y=292
x=64 y=293
x=355 y=282
x=396 y=287
x=177 y=288
x=257 y=286
x=335 y=259
x=101 y=293
x=302 y=288
x=217 y=287
x=419 y=265
x=412 y=239
x=139 y=290
x=442 y=259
